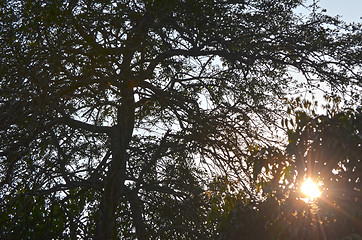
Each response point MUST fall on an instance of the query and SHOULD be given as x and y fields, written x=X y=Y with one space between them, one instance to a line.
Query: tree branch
x=85 y=126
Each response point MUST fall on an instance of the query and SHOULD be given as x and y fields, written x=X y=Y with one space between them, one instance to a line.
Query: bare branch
x=85 y=126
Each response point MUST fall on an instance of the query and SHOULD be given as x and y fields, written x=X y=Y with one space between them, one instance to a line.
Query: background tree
x=114 y=114
x=326 y=148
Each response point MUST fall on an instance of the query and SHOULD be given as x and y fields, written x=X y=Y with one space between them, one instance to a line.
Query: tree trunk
x=136 y=209
x=114 y=182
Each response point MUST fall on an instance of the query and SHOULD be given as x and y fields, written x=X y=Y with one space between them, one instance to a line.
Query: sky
x=350 y=10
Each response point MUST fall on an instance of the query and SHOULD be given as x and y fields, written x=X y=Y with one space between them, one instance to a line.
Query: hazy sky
x=350 y=10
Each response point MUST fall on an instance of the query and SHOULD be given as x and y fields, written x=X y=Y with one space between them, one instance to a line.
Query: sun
x=310 y=189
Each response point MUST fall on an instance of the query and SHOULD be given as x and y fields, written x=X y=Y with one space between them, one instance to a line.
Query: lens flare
x=310 y=189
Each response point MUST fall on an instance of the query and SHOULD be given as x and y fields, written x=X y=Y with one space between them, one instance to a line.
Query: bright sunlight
x=310 y=189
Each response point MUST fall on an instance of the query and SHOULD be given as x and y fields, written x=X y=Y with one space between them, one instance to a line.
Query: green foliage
x=326 y=148
x=42 y=217
x=329 y=148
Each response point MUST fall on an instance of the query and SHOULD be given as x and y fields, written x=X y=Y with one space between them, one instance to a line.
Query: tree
x=326 y=148
x=115 y=113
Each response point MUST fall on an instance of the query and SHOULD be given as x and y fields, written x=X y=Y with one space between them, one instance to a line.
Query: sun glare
x=310 y=189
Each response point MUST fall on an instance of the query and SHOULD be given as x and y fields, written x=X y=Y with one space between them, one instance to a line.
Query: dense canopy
x=155 y=119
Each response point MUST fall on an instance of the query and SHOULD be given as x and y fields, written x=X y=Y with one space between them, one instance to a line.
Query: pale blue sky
x=350 y=10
